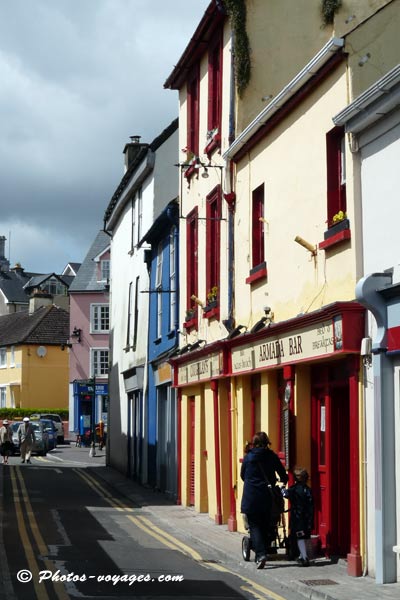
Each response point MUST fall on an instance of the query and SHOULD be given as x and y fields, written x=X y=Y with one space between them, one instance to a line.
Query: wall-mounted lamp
x=76 y=333
x=306 y=245
x=237 y=331
x=205 y=174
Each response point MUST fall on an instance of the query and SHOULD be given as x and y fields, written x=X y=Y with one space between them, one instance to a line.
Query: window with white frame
x=3 y=397
x=105 y=269
x=172 y=277
x=99 y=318
x=12 y=356
x=139 y=214
x=3 y=358
x=99 y=362
x=158 y=285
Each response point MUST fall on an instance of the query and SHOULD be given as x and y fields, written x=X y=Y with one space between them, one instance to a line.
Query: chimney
x=17 y=269
x=4 y=263
x=132 y=150
x=38 y=300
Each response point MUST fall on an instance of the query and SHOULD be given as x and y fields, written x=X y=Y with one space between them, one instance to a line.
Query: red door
x=330 y=469
x=192 y=430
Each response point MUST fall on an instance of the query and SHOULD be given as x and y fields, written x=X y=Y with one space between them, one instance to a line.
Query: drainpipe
x=384 y=434
x=232 y=522
x=218 y=516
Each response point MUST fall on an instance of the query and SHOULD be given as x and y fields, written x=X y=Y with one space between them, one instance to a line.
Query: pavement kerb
x=6 y=587
x=141 y=495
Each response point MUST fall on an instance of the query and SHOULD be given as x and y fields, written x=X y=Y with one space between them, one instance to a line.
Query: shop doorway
x=331 y=458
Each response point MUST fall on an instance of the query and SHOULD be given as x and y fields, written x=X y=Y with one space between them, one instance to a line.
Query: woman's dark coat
x=256 y=498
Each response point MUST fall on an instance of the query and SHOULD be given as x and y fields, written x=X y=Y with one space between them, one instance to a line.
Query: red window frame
x=258 y=243
x=214 y=92
x=336 y=185
x=191 y=257
x=213 y=238
x=193 y=111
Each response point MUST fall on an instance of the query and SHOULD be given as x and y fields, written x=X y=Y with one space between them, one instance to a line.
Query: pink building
x=89 y=342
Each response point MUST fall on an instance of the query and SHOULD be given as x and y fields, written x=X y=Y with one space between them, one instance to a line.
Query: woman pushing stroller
x=259 y=468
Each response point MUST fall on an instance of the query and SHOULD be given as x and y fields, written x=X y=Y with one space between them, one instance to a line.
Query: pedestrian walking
x=301 y=514
x=260 y=465
x=26 y=436
x=6 y=443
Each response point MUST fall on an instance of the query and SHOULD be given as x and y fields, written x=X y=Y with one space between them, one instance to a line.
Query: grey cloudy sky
x=77 y=78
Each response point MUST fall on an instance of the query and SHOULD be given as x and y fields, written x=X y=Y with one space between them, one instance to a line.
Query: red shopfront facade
x=310 y=366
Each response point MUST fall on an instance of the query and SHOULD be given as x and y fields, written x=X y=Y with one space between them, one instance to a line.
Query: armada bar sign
x=306 y=343
x=199 y=370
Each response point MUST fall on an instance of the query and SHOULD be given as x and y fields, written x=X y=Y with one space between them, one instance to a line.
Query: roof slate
x=86 y=278
x=11 y=284
x=47 y=325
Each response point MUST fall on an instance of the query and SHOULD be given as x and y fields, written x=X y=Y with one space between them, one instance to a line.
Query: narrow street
x=66 y=534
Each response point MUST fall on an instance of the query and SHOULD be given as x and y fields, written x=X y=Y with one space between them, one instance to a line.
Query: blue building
x=162 y=260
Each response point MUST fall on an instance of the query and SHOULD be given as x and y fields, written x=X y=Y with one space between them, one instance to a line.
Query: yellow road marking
x=43 y=549
x=174 y=540
x=170 y=541
x=41 y=593
x=153 y=534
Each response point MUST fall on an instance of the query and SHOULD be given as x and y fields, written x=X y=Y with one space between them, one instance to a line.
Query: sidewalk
x=322 y=579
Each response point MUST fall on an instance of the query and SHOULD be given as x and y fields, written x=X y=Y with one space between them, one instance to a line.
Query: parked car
x=57 y=422
x=51 y=429
x=41 y=438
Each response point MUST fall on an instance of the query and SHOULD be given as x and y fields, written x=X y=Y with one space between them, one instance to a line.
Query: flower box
x=336 y=228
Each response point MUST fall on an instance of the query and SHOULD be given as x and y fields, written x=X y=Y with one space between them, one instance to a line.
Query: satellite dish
x=41 y=351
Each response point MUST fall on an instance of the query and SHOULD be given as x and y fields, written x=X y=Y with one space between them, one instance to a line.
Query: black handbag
x=277 y=502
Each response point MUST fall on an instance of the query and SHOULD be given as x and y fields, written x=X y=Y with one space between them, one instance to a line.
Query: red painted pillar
x=179 y=448
x=218 y=516
x=354 y=562
x=232 y=522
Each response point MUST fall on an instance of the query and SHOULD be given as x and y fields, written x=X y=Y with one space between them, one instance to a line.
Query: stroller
x=277 y=537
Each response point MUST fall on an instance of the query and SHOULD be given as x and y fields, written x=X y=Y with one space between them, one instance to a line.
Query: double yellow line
x=169 y=540
x=22 y=499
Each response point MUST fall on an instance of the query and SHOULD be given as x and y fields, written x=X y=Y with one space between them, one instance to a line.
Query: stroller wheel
x=246 y=548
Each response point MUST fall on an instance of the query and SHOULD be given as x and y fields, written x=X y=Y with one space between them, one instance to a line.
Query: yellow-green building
x=34 y=358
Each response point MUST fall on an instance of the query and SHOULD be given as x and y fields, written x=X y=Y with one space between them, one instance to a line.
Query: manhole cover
x=314 y=582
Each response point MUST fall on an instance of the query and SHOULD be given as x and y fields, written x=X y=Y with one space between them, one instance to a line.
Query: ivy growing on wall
x=236 y=10
x=328 y=10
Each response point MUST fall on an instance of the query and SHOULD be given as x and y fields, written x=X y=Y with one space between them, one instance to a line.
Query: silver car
x=41 y=444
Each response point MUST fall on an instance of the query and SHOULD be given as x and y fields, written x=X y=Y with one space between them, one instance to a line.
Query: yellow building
x=270 y=255
x=33 y=360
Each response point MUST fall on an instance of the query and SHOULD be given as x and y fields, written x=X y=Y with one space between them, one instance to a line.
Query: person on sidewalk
x=6 y=441
x=301 y=514
x=260 y=463
x=26 y=436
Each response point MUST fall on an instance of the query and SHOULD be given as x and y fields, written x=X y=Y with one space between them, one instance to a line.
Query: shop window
x=213 y=226
x=214 y=94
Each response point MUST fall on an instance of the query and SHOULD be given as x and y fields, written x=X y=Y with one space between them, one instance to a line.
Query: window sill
x=257 y=273
x=213 y=144
x=335 y=239
x=191 y=324
x=211 y=312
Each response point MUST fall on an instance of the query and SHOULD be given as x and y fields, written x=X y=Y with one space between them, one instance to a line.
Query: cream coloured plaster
x=376 y=41
x=194 y=193
x=291 y=162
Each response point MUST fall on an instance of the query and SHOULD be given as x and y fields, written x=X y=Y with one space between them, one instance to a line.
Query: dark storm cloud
x=78 y=77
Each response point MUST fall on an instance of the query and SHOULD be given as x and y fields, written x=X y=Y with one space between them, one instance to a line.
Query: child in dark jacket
x=301 y=513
